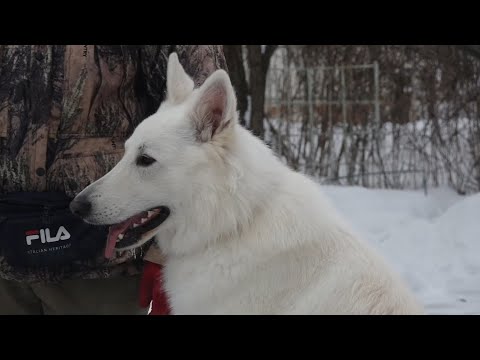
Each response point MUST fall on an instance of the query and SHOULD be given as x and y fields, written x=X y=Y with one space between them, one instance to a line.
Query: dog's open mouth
x=134 y=230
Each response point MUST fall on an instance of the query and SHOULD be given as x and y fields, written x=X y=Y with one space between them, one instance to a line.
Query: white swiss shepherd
x=245 y=234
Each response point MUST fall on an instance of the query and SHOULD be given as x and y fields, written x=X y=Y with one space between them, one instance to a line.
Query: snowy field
x=432 y=240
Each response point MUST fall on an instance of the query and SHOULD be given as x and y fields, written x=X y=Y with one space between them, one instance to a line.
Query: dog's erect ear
x=215 y=106
x=179 y=84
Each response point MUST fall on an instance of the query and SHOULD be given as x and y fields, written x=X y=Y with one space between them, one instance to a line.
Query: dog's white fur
x=246 y=234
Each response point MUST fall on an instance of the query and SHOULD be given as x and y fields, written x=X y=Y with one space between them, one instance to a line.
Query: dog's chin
x=135 y=231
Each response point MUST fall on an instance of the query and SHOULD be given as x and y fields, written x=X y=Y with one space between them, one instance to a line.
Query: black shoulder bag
x=37 y=230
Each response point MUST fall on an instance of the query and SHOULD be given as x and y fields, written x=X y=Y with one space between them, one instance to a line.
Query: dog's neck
x=222 y=211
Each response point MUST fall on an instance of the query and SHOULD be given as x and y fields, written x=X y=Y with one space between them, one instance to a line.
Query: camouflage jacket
x=65 y=112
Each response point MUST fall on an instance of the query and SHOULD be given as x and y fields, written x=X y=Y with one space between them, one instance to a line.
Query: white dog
x=242 y=233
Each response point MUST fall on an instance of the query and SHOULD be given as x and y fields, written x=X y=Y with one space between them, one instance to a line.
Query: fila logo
x=44 y=235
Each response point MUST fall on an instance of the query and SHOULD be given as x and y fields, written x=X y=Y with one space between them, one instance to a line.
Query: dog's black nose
x=80 y=206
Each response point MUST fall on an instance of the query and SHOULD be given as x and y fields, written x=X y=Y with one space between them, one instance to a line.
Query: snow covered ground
x=433 y=240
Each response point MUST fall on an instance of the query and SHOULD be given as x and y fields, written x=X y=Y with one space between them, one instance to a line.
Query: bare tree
x=249 y=78
x=429 y=114
x=234 y=58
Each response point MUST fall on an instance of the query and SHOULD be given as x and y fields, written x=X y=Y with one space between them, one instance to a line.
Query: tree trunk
x=234 y=59
x=258 y=64
x=257 y=89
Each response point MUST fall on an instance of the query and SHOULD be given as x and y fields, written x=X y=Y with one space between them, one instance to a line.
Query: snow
x=431 y=240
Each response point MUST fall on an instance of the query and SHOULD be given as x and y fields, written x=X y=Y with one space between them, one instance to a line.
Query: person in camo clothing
x=65 y=112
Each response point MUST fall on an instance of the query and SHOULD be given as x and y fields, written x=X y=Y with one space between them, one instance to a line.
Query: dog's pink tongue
x=113 y=233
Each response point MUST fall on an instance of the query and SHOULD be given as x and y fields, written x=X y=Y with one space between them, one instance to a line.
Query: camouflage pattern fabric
x=65 y=113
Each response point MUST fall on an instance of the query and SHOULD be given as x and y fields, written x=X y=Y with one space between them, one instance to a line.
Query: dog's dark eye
x=145 y=160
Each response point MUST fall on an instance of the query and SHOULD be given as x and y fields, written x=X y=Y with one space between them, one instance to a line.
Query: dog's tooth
x=135 y=225
x=143 y=220
x=150 y=213
x=120 y=236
